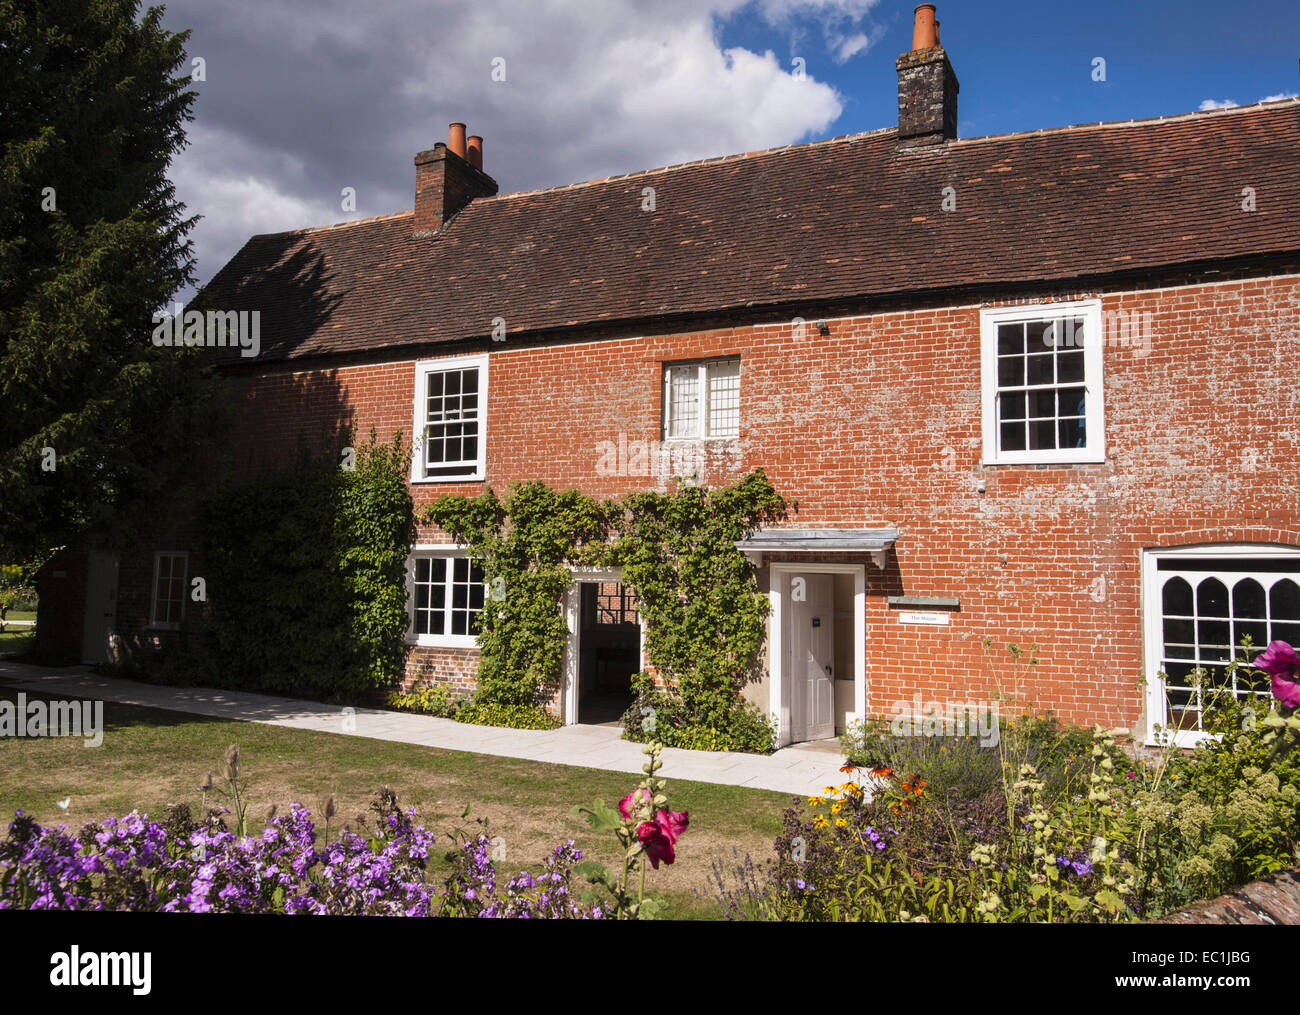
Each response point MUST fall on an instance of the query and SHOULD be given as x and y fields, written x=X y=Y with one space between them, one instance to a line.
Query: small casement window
x=446 y=598
x=450 y=419
x=702 y=400
x=168 y=605
x=1200 y=604
x=1042 y=384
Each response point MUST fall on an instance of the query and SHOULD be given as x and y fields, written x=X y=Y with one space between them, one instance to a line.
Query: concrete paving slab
x=798 y=771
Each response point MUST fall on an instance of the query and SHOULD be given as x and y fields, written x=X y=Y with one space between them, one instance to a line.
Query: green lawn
x=151 y=757
x=17 y=640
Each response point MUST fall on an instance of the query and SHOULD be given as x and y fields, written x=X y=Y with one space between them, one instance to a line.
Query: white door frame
x=778 y=581
x=572 y=608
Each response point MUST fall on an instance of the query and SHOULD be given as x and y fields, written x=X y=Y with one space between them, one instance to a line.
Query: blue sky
x=1024 y=66
x=303 y=98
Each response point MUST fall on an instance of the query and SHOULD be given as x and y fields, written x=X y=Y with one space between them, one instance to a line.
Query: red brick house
x=1037 y=387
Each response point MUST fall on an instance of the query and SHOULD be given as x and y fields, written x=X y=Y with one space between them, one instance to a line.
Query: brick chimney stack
x=447 y=178
x=927 y=87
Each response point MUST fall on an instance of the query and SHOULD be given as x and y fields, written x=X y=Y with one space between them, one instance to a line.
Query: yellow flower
x=836 y=807
x=819 y=822
x=816 y=801
x=840 y=823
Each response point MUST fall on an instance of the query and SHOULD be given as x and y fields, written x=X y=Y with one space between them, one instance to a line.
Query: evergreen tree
x=96 y=423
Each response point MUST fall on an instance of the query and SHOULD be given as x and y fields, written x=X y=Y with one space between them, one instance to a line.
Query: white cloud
x=1229 y=104
x=851 y=46
x=304 y=97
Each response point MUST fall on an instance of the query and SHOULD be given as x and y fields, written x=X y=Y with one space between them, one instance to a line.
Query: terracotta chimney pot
x=925 y=30
x=456 y=138
x=475 y=146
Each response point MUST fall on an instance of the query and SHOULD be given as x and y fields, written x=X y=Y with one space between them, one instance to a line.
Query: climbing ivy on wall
x=306 y=575
x=696 y=592
x=524 y=545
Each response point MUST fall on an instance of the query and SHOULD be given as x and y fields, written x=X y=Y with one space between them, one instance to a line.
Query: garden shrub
x=656 y=713
x=1075 y=830
x=964 y=766
x=437 y=700
x=519 y=717
x=306 y=576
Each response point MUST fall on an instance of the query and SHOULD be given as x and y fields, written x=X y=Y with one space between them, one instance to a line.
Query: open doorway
x=609 y=651
x=817 y=649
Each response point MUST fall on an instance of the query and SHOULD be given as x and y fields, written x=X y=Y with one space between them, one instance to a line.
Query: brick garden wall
x=879 y=423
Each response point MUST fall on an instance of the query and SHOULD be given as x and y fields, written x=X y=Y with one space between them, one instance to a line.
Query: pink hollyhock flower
x=628 y=802
x=656 y=844
x=1281 y=662
x=672 y=823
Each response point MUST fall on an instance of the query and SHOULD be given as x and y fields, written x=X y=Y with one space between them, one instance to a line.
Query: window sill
x=1185 y=740
x=442 y=641
x=1082 y=458
x=476 y=477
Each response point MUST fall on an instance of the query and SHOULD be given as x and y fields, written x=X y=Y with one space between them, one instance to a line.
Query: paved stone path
x=804 y=769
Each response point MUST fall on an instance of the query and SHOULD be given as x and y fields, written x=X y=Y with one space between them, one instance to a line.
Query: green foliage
x=306 y=575
x=94 y=242
x=697 y=593
x=518 y=717
x=704 y=615
x=437 y=700
x=647 y=831
x=972 y=765
x=18 y=585
x=1075 y=829
x=1236 y=799
x=658 y=714
x=524 y=546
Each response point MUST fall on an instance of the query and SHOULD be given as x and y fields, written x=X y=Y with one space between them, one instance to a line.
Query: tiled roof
x=839 y=219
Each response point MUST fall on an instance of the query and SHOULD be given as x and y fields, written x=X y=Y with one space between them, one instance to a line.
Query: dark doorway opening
x=609 y=652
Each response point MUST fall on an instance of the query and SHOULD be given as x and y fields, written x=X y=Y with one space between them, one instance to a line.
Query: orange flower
x=848 y=767
x=881 y=772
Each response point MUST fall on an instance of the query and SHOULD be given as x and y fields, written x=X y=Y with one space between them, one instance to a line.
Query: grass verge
x=152 y=757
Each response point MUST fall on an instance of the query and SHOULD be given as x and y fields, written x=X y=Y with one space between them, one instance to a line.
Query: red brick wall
x=878 y=423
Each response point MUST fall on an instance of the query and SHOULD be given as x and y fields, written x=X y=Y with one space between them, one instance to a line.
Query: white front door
x=101 y=606
x=809 y=664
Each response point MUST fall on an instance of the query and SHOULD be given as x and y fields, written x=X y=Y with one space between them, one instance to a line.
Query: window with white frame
x=450 y=419
x=446 y=597
x=1042 y=383
x=168 y=604
x=1200 y=603
x=702 y=400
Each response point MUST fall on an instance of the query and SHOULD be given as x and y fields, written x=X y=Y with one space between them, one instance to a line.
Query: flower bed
x=1046 y=827
x=183 y=865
